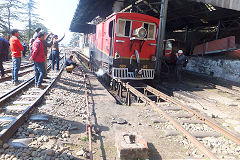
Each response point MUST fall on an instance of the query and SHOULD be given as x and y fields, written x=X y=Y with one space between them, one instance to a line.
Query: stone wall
x=227 y=69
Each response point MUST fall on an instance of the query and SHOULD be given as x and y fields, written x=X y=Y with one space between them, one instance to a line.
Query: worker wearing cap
x=180 y=63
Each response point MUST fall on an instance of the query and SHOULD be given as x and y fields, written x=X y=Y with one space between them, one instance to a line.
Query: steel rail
x=17 y=89
x=236 y=88
x=22 y=73
x=8 y=70
x=228 y=90
x=201 y=117
x=7 y=133
x=200 y=146
x=89 y=125
x=4 y=98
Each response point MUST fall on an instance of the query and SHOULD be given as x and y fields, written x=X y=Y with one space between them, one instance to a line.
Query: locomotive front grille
x=122 y=73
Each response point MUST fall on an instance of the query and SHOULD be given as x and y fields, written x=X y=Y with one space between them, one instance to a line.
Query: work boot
x=40 y=86
x=4 y=76
x=16 y=83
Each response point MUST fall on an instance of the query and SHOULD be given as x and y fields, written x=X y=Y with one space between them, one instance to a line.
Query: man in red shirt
x=38 y=56
x=16 y=49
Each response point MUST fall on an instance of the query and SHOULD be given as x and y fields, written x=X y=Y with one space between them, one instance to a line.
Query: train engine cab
x=124 y=46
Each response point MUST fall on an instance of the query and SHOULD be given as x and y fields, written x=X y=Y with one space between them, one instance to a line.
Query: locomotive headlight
x=117 y=55
x=140 y=32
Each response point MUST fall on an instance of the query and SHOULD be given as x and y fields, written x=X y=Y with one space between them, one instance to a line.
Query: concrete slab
x=15 y=108
x=22 y=102
x=40 y=117
x=29 y=96
x=20 y=143
x=190 y=121
x=202 y=134
x=7 y=119
x=131 y=146
x=170 y=132
x=182 y=115
x=171 y=108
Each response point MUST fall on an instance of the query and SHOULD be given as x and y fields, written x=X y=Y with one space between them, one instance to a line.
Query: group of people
x=38 y=48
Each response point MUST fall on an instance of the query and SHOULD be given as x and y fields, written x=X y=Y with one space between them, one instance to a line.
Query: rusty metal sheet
x=216 y=46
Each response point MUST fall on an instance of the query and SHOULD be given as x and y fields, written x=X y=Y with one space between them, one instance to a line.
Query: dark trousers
x=39 y=72
x=178 y=72
x=1 y=66
x=55 y=57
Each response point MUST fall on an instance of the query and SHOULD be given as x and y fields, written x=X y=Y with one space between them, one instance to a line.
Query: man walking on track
x=38 y=56
x=16 y=49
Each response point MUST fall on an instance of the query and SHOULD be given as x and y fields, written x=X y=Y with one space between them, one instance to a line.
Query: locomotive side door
x=108 y=43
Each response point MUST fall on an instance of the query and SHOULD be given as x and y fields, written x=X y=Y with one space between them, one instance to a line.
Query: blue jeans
x=39 y=72
x=15 y=68
x=55 y=57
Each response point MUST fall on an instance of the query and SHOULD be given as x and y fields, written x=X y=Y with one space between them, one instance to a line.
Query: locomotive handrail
x=136 y=55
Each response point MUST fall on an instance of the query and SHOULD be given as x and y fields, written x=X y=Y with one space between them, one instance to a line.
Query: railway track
x=24 y=69
x=18 y=103
x=198 y=129
x=180 y=116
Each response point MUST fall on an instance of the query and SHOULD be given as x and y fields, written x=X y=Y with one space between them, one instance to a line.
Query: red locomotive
x=124 y=46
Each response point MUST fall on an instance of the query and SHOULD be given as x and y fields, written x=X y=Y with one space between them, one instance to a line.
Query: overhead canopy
x=181 y=13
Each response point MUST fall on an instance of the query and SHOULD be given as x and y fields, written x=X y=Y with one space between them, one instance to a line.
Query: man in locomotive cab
x=180 y=63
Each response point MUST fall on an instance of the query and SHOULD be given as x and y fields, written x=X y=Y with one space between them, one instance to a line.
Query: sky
x=57 y=16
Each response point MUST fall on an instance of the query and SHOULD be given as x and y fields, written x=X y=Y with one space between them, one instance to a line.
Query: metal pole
x=160 y=37
x=218 y=30
x=186 y=35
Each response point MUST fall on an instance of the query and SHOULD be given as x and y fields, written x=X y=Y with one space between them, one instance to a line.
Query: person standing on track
x=180 y=63
x=38 y=56
x=3 y=44
x=6 y=48
x=24 y=49
x=16 y=49
x=46 y=44
x=55 y=51
x=33 y=39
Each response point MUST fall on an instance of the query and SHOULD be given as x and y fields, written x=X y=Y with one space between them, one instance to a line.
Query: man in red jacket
x=16 y=49
x=38 y=56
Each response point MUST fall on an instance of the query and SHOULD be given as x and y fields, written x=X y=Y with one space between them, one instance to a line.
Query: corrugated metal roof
x=229 y=4
x=181 y=13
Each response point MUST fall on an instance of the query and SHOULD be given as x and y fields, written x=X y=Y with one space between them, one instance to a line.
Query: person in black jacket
x=180 y=63
x=69 y=64
x=4 y=45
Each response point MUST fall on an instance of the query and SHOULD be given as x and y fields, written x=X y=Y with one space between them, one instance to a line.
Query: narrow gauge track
x=191 y=117
x=171 y=114
x=233 y=89
x=18 y=110
x=88 y=108
x=23 y=70
x=9 y=70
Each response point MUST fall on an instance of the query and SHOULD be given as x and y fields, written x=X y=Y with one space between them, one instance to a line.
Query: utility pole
x=160 y=37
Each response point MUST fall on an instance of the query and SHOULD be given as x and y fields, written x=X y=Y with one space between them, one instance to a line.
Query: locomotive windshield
x=124 y=28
